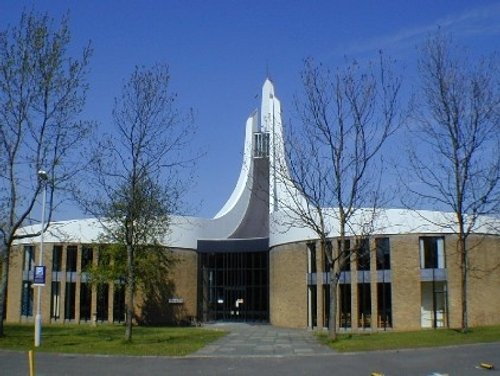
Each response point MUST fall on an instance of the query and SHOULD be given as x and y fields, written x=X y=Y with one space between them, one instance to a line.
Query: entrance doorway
x=234 y=286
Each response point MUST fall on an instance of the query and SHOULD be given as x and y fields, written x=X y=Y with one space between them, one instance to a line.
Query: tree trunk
x=3 y=286
x=332 y=330
x=129 y=294
x=464 y=272
x=332 y=324
x=334 y=279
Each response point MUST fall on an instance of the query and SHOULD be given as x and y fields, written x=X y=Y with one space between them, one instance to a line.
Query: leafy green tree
x=136 y=177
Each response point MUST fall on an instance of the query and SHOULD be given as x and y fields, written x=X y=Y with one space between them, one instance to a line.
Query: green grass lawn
x=174 y=341
x=108 y=339
x=404 y=340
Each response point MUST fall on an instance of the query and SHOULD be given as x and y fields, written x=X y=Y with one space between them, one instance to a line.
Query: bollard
x=487 y=366
x=31 y=360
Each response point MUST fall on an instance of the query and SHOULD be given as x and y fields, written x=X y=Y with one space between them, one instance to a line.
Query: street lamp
x=40 y=282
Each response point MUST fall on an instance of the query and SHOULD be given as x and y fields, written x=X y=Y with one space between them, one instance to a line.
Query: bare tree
x=137 y=176
x=330 y=173
x=455 y=157
x=42 y=91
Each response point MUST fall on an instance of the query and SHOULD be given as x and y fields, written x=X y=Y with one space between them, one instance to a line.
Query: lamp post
x=42 y=175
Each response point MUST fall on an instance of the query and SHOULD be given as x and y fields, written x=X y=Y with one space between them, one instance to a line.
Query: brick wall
x=287 y=285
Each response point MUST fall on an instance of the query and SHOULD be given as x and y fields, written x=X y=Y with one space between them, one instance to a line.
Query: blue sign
x=39 y=279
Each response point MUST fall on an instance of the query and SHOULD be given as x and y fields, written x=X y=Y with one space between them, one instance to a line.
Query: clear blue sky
x=220 y=52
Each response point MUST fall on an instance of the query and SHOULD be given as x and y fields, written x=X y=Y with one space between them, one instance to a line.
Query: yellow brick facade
x=177 y=296
x=287 y=286
x=178 y=301
x=288 y=283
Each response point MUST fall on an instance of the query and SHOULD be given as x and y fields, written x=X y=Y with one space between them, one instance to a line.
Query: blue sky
x=220 y=52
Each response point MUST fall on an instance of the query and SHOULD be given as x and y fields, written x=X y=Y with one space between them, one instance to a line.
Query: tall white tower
x=263 y=184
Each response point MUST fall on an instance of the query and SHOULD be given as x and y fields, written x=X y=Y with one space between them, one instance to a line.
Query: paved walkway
x=248 y=340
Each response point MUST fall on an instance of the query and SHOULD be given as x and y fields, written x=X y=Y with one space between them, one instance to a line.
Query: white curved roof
x=186 y=231
x=386 y=222
x=244 y=208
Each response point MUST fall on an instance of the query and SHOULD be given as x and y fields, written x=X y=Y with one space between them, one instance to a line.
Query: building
x=248 y=264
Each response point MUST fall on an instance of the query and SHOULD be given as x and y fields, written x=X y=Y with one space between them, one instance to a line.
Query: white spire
x=266 y=109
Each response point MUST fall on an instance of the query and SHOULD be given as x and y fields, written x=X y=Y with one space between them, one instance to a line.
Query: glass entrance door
x=235 y=286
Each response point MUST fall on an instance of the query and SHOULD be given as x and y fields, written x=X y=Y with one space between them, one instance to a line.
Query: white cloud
x=484 y=21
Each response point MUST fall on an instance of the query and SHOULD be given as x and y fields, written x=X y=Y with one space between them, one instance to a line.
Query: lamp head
x=42 y=174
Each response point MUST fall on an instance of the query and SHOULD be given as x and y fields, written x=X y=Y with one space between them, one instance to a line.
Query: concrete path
x=252 y=340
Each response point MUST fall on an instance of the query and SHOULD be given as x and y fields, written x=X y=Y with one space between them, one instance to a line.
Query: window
x=345 y=305
x=384 y=304
x=85 y=301
x=27 y=286
x=69 y=304
x=383 y=253
x=102 y=302
x=364 y=305
x=345 y=262
x=119 y=303
x=57 y=258
x=312 y=306
x=55 y=302
x=432 y=253
x=363 y=253
x=86 y=258
x=328 y=252
x=29 y=257
x=27 y=299
x=312 y=310
x=433 y=307
x=261 y=145
x=71 y=252
x=311 y=258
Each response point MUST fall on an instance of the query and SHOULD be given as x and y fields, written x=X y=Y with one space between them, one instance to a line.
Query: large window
x=345 y=305
x=29 y=258
x=327 y=254
x=312 y=306
x=86 y=258
x=345 y=262
x=364 y=305
x=27 y=299
x=119 y=302
x=55 y=301
x=434 y=304
x=384 y=304
x=261 y=145
x=326 y=304
x=55 y=286
x=85 y=301
x=27 y=284
x=102 y=301
x=57 y=258
x=69 y=304
x=363 y=253
x=432 y=252
x=383 y=248
x=311 y=258
x=71 y=252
